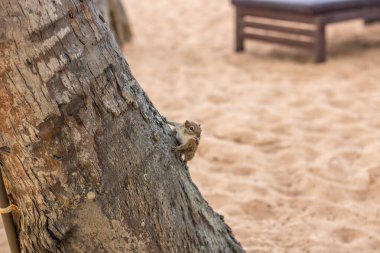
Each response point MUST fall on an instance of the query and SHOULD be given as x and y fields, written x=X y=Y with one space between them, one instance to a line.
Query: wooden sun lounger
x=318 y=13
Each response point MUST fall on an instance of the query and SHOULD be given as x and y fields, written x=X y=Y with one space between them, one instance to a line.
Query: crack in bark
x=28 y=88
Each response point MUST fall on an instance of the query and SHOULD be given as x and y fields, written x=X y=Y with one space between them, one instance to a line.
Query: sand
x=290 y=150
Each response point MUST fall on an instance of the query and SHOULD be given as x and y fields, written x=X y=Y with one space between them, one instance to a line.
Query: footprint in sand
x=347 y=235
x=243 y=170
x=258 y=209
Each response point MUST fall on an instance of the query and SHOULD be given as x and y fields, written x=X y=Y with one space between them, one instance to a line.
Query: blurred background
x=290 y=149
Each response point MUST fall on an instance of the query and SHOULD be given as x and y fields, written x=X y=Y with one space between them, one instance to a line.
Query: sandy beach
x=290 y=149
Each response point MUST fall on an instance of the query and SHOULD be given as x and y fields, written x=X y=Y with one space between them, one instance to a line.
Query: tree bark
x=90 y=164
x=112 y=11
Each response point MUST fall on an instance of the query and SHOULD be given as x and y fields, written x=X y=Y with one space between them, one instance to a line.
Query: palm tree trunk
x=90 y=165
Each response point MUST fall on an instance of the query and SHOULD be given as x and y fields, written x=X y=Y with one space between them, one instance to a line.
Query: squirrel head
x=193 y=128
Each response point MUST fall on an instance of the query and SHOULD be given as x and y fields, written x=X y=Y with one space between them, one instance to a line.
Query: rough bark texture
x=90 y=165
x=112 y=11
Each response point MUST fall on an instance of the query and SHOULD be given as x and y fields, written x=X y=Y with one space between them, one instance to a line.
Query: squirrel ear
x=187 y=122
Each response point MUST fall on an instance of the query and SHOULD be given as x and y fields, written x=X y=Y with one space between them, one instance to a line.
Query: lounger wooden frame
x=316 y=36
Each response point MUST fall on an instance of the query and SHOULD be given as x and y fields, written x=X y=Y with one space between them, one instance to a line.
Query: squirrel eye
x=192 y=128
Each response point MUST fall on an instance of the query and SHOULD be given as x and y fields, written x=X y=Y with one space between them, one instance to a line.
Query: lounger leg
x=320 y=43
x=370 y=21
x=239 y=32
